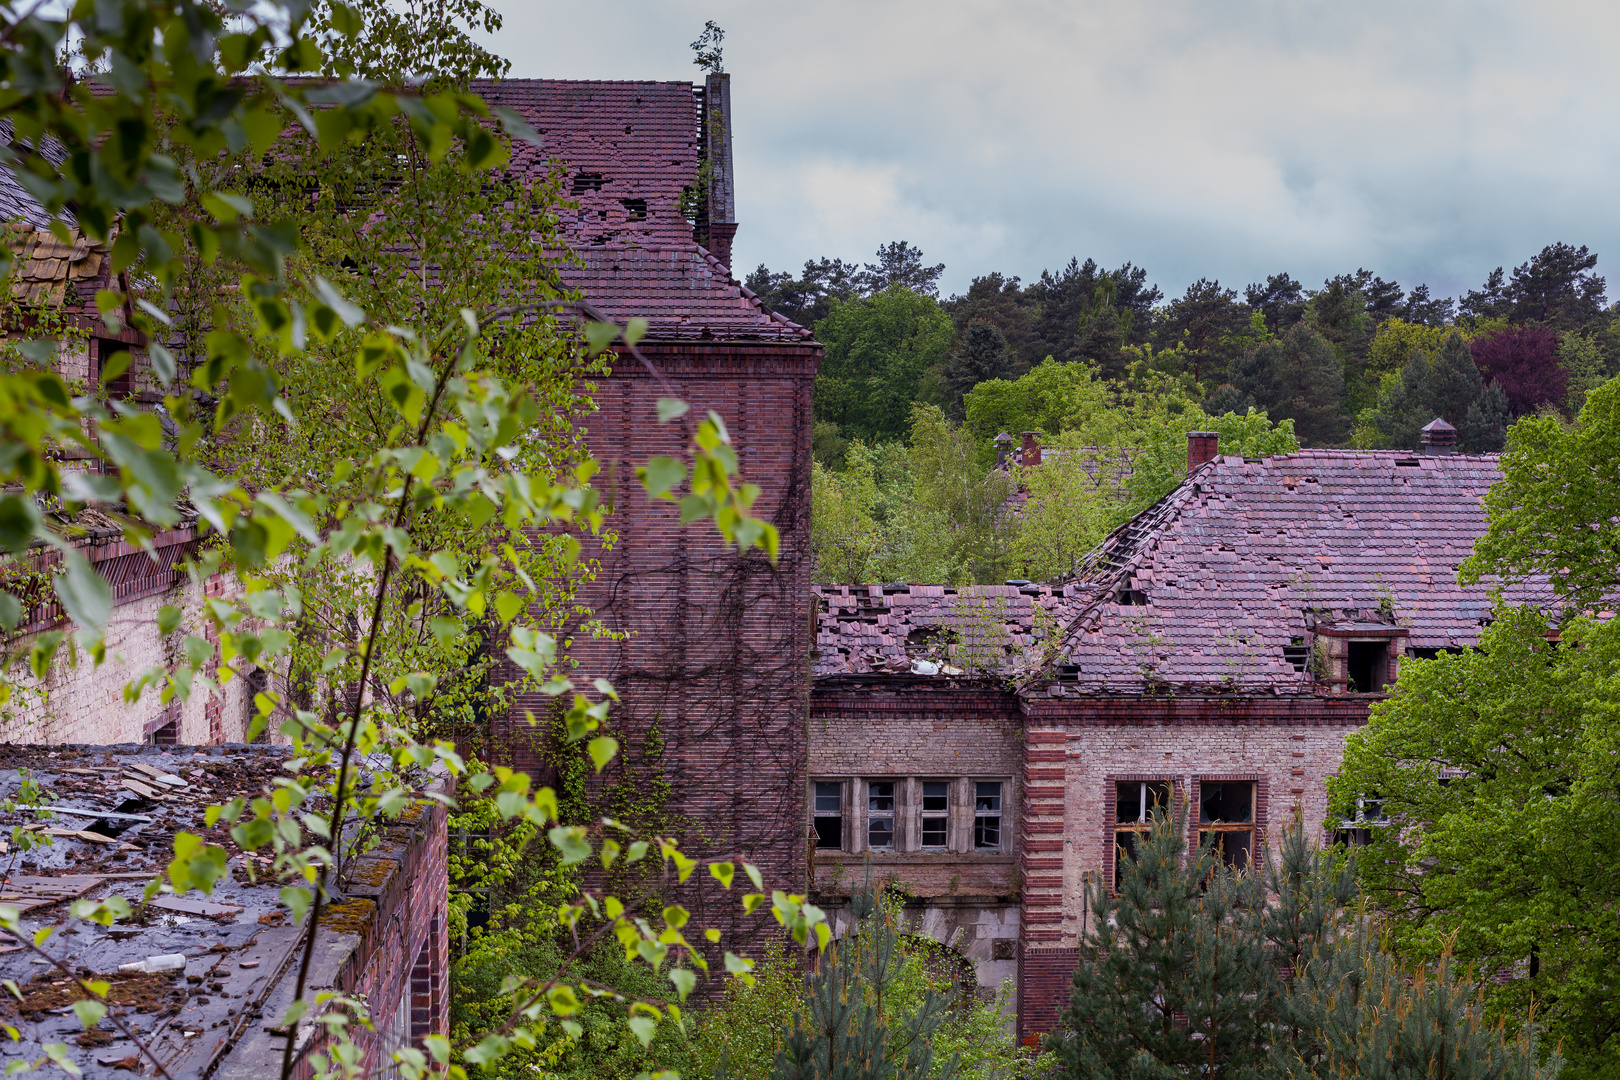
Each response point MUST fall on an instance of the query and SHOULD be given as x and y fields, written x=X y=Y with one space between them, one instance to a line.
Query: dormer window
x=1367 y=667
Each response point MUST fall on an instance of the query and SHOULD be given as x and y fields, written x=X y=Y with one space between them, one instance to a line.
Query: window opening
x=935 y=807
x=121 y=385
x=166 y=735
x=829 y=814
x=1226 y=820
x=1369 y=669
x=880 y=811
x=258 y=681
x=1134 y=804
x=1357 y=830
x=987 y=814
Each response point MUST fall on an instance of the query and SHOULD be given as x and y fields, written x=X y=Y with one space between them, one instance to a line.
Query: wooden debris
x=141 y=789
x=157 y=774
x=188 y=906
x=33 y=892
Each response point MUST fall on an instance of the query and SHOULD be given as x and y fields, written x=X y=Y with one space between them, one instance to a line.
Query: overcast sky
x=1425 y=141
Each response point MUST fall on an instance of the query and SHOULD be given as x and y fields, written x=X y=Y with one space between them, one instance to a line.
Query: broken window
x=1226 y=820
x=1134 y=804
x=935 y=807
x=880 y=814
x=1368 y=667
x=829 y=814
x=987 y=814
x=1357 y=830
x=121 y=385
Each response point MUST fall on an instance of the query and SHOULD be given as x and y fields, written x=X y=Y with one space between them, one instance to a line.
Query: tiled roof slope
x=630 y=149
x=46 y=267
x=1207 y=588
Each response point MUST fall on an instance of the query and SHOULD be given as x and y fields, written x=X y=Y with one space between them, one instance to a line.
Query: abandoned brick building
x=993 y=748
x=988 y=748
x=711 y=661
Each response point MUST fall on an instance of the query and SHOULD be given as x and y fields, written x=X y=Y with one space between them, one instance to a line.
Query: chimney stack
x=721 y=226
x=1031 y=449
x=1439 y=438
x=1003 y=449
x=1202 y=446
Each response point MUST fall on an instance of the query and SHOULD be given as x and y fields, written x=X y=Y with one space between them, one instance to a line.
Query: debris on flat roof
x=200 y=978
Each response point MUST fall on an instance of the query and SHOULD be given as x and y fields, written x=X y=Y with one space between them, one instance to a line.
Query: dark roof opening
x=1369 y=666
x=587 y=181
x=635 y=209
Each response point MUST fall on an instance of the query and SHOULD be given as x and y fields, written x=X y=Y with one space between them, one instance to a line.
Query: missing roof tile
x=634 y=209
x=585 y=181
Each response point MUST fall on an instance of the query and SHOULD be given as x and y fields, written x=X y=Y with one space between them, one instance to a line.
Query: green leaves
x=195 y=865
x=89 y=1013
x=85 y=594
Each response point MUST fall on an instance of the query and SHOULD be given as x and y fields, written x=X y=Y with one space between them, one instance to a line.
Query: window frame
x=1136 y=828
x=817 y=814
x=1356 y=831
x=1112 y=826
x=896 y=786
x=1255 y=826
x=1000 y=814
x=924 y=816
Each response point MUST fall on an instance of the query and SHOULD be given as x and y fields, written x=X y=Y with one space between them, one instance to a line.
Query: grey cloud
x=1231 y=140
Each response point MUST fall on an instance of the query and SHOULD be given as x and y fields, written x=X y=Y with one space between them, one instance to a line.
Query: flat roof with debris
x=211 y=1008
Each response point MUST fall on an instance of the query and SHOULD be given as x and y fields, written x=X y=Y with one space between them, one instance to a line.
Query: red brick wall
x=1074 y=751
x=1044 y=977
x=717 y=652
x=405 y=940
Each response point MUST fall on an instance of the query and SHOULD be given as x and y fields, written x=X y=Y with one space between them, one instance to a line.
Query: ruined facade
x=1212 y=656
x=53 y=288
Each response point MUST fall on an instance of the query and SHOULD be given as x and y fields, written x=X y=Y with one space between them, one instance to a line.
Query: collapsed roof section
x=1222 y=586
x=634 y=156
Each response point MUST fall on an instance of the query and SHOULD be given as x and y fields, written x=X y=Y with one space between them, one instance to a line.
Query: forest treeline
x=914 y=389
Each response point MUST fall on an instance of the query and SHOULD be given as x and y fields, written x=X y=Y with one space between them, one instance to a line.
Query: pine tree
x=1484 y=430
x=1368 y=1018
x=843 y=1032
x=1297 y=376
x=1175 y=980
x=1452 y=384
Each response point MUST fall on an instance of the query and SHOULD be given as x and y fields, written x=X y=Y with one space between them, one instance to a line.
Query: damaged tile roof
x=975 y=632
x=1209 y=587
x=210 y=1011
x=630 y=150
x=46 y=267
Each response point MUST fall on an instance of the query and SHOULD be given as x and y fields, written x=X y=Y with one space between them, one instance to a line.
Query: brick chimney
x=1031 y=450
x=1003 y=449
x=721 y=227
x=1439 y=438
x=1202 y=446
